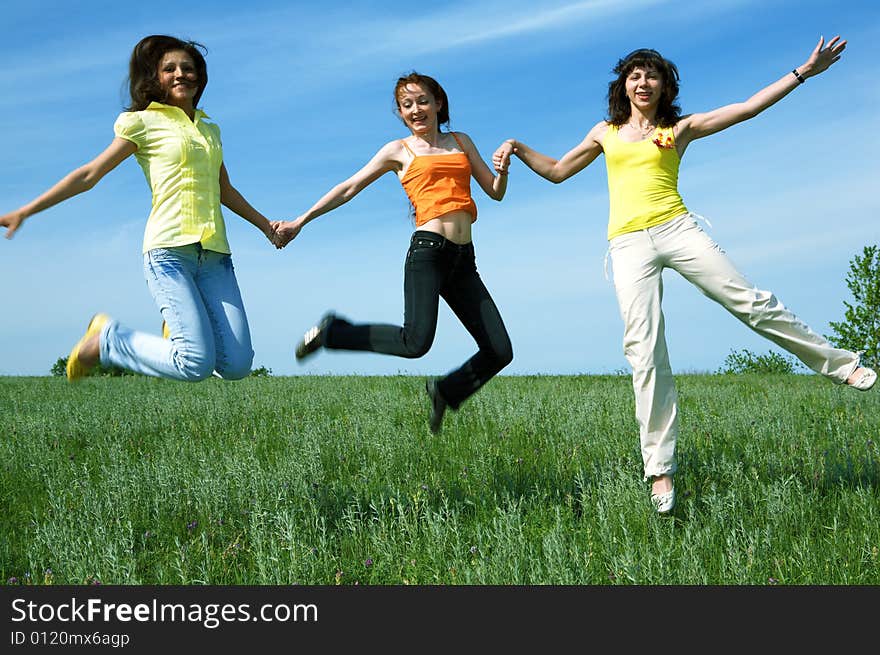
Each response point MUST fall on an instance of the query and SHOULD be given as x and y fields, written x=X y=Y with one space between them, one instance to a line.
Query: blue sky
x=302 y=93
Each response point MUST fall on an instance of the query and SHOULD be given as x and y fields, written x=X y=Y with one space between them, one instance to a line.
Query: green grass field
x=336 y=480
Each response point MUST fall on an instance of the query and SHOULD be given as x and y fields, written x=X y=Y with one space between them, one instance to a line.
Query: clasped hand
x=501 y=157
x=283 y=232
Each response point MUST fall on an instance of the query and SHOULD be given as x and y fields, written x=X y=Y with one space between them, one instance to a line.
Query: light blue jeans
x=198 y=295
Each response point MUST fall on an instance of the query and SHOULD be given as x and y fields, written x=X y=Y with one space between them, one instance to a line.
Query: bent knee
x=237 y=367
x=414 y=352
x=503 y=355
x=194 y=369
x=416 y=346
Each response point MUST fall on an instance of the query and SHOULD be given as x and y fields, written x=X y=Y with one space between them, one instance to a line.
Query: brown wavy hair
x=143 y=69
x=668 y=111
x=431 y=85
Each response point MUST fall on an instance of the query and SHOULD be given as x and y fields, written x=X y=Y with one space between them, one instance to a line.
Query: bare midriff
x=455 y=226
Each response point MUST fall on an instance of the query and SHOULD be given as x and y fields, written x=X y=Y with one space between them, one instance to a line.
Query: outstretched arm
x=697 y=126
x=494 y=185
x=77 y=181
x=387 y=159
x=572 y=162
x=231 y=198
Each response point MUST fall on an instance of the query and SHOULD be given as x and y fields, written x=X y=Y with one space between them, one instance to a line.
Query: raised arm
x=387 y=159
x=232 y=198
x=696 y=126
x=77 y=181
x=494 y=185
x=572 y=162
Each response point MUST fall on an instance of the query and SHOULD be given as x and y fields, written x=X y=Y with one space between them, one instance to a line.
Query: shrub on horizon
x=745 y=361
x=59 y=369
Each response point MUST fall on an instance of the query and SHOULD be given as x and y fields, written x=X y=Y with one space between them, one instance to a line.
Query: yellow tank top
x=642 y=181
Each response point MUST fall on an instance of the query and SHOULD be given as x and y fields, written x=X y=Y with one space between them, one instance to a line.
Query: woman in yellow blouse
x=651 y=229
x=187 y=261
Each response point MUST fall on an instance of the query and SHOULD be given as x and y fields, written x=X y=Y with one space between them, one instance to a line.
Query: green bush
x=59 y=369
x=745 y=361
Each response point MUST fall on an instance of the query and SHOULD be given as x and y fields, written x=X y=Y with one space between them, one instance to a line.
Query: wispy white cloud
x=473 y=24
x=306 y=42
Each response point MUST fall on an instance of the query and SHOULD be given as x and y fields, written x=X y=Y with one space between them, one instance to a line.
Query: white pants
x=638 y=259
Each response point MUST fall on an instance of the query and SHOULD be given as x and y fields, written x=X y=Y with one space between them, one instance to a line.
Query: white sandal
x=866 y=380
x=664 y=502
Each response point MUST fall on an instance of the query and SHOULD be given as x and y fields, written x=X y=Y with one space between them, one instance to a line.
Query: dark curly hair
x=430 y=84
x=143 y=69
x=668 y=112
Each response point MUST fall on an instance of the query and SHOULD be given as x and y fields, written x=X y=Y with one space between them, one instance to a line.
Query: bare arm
x=697 y=126
x=77 y=181
x=232 y=198
x=387 y=159
x=571 y=163
x=494 y=185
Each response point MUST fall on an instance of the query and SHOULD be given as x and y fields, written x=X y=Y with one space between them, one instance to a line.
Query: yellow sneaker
x=75 y=368
x=166 y=333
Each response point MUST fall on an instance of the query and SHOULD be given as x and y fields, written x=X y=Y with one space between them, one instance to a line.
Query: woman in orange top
x=434 y=168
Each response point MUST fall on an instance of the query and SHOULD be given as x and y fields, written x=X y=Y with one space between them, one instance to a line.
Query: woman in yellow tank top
x=434 y=168
x=650 y=229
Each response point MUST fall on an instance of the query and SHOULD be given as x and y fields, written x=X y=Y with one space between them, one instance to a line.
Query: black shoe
x=438 y=405
x=314 y=337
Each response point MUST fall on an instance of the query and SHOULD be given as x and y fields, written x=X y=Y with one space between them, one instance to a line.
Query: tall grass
x=337 y=480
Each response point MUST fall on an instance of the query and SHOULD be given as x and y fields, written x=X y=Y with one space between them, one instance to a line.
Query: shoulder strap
x=455 y=136
x=408 y=149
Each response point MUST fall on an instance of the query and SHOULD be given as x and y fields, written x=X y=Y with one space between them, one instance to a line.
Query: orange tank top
x=439 y=184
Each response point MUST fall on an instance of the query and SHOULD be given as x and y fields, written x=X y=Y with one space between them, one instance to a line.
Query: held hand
x=270 y=231
x=285 y=232
x=822 y=57
x=11 y=221
x=273 y=234
x=501 y=157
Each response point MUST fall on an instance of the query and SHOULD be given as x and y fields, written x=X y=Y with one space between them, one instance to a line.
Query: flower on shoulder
x=663 y=138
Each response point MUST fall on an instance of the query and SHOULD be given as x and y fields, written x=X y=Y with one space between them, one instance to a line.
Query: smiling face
x=418 y=108
x=645 y=83
x=644 y=87
x=178 y=79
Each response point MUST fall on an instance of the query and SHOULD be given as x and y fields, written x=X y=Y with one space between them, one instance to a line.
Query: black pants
x=436 y=267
